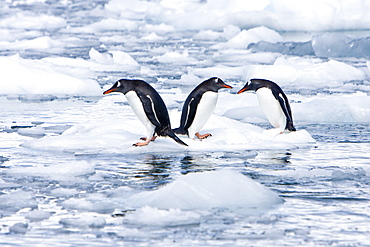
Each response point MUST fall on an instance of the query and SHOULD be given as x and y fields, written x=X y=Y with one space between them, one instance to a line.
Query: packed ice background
x=70 y=177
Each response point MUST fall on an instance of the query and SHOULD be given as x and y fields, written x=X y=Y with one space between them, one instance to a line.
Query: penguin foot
x=152 y=140
x=199 y=136
x=140 y=144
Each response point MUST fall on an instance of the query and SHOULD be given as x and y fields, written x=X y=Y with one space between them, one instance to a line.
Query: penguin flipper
x=150 y=112
x=174 y=137
x=188 y=112
x=284 y=104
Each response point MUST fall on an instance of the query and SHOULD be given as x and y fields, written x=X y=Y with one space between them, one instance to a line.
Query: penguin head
x=251 y=85
x=121 y=86
x=215 y=84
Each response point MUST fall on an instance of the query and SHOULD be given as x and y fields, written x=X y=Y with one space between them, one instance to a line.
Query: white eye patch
x=118 y=84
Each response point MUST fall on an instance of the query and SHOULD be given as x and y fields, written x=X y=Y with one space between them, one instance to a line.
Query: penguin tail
x=180 y=131
x=172 y=134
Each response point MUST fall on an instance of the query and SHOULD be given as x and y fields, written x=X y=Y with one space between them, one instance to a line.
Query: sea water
x=70 y=175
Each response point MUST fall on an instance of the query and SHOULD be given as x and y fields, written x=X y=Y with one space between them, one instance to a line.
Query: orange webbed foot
x=152 y=139
x=201 y=137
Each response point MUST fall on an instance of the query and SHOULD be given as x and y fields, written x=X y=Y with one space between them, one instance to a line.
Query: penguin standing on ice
x=199 y=106
x=273 y=102
x=148 y=106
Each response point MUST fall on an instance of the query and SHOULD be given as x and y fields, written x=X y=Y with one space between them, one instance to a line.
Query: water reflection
x=149 y=171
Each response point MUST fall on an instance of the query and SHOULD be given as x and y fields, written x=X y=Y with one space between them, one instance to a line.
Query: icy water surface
x=70 y=177
x=71 y=199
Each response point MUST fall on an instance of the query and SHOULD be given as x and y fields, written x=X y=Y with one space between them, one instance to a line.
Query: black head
x=255 y=84
x=122 y=86
x=214 y=84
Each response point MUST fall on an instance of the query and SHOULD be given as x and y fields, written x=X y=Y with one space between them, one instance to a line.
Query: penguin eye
x=118 y=84
x=216 y=80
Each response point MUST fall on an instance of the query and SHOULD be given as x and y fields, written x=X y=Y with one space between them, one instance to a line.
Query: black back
x=191 y=103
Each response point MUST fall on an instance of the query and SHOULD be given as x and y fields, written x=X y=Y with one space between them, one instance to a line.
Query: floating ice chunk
x=348 y=174
x=69 y=171
x=44 y=43
x=26 y=76
x=94 y=137
x=37 y=132
x=57 y=129
x=84 y=222
x=254 y=35
x=112 y=60
x=152 y=37
x=101 y=207
x=306 y=73
x=149 y=216
x=38 y=215
x=343 y=108
x=17 y=200
x=100 y=57
x=33 y=22
x=340 y=45
x=224 y=188
x=287 y=48
x=123 y=58
x=19 y=228
x=63 y=192
x=176 y=57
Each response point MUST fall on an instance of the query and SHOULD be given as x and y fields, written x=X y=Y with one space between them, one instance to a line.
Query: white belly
x=205 y=109
x=271 y=108
x=138 y=109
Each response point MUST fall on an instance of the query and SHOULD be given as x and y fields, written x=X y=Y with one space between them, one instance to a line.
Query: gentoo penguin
x=148 y=107
x=273 y=102
x=199 y=106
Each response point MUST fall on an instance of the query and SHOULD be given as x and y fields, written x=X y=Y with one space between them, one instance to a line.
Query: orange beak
x=110 y=91
x=227 y=86
x=242 y=90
